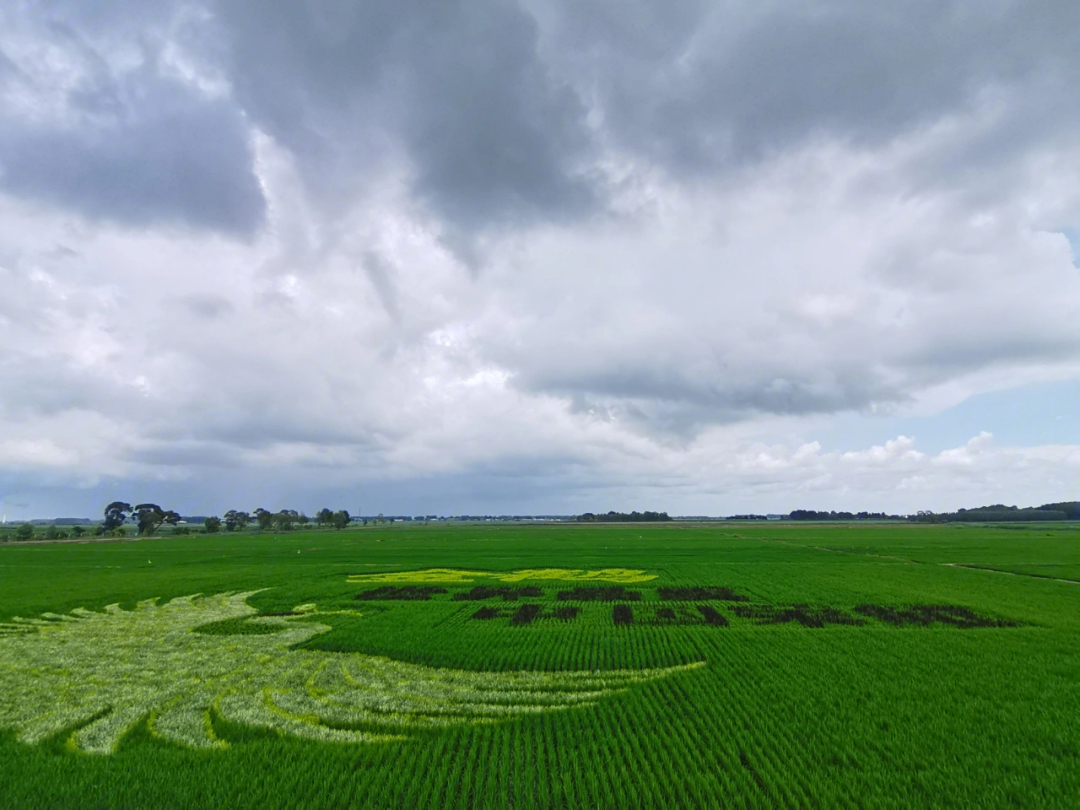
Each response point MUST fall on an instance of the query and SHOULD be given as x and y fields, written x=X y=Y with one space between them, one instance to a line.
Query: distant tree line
x=810 y=514
x=284 y=520
x=1071 y=509
x=26 y=531
x=1000 y=513
x=149 y=518
x=624 y=517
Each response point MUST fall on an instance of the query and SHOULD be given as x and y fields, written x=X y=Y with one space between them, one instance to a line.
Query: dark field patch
x=805 y=615
x=616 y=593
x=525 y=614
x=623 y=614
x=508 y=594
x=666 y=614
x=567 y=613
x=405 y=593
x=486 y=613
x=700 y=594
x=925 y=615
x=713 y=616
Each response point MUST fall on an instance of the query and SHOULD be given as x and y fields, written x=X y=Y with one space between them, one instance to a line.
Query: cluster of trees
x=284 y=521
x=810 y=514
x=1000 y=513
x=150 y=517
x=25 y=531
x=624 y=517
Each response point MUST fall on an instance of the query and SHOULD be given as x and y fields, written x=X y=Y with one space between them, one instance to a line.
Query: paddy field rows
x=739 y=665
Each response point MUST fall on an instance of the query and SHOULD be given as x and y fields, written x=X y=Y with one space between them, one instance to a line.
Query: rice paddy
x=100 y=673
x=454 y=576
x=432 y=666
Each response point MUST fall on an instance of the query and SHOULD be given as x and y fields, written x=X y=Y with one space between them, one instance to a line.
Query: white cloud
x=611 y=312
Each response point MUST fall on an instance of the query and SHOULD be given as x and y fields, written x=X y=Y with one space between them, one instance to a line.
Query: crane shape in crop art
x=101 y=673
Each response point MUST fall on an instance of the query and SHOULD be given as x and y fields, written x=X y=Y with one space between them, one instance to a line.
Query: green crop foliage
x=763 y=665
x=102 y=672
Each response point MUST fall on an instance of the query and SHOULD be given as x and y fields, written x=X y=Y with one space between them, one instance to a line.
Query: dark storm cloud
x=252 y=428
x=459 y=86
x=714 y=85
x=503 y=110
x=730 y=401
x=186 y=166
x=489 y=101
x=674 y=401
x=137 y=147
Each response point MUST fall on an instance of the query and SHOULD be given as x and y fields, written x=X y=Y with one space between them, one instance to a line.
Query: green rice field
x=504 y=665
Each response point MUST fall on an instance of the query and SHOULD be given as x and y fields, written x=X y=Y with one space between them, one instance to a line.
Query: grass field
x=741 y=665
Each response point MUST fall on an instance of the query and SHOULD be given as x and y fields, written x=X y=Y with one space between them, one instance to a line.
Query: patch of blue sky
x=1073 y=235
x=1028 y=416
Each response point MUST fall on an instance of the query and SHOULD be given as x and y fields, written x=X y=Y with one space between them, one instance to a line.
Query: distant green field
x=609 y=665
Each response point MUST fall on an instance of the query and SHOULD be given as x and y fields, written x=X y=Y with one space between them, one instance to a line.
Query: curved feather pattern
x=102 y=673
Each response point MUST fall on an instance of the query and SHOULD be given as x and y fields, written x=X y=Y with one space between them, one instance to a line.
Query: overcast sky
x=428 y=256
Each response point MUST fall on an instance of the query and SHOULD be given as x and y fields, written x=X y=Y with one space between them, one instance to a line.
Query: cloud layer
x=533 y=256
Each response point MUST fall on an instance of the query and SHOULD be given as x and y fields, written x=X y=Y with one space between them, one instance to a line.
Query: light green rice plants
x=100 y=673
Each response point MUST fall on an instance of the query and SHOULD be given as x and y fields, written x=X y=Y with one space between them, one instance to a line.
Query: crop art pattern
x=100 y=673
x=457 y=576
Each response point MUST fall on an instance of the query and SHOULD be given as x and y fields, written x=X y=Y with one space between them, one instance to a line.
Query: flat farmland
x=495 y=665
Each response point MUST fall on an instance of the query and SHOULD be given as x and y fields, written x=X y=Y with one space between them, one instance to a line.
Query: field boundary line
x=972 y=567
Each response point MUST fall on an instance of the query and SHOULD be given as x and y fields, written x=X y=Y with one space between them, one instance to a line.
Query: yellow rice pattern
x=456 y=576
